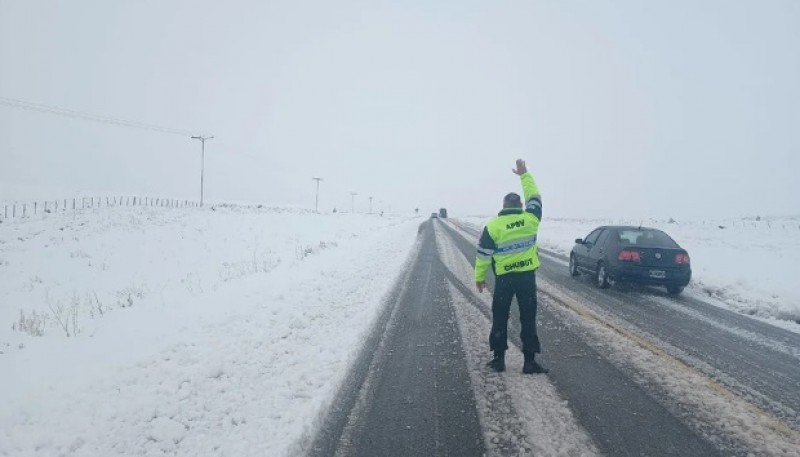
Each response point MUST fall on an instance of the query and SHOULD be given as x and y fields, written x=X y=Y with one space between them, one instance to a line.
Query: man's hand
x=521 y=168
x=480 y=285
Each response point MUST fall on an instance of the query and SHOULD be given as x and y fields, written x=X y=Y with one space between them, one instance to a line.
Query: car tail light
x=682 y=259
x=629 y=256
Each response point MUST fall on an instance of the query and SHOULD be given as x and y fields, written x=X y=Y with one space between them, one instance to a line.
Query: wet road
x=415 y=394
x=754 y=359
x=410 y=393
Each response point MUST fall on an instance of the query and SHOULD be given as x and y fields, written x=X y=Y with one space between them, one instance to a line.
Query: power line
x=30 y=106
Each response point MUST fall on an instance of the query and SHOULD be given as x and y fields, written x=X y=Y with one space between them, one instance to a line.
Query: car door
x=598 y=250
x=582 y=250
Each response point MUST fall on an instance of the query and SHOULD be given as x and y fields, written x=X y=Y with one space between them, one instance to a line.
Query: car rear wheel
x=674 y=290
x=573 y=266
x=602 y=276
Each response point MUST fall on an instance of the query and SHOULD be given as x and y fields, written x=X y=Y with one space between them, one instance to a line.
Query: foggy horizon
x=620 y=109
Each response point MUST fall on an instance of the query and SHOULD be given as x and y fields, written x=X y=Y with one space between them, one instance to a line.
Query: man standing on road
x=508 y=244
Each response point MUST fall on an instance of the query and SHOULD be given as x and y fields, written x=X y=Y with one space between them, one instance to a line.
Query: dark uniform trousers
x=523 y=286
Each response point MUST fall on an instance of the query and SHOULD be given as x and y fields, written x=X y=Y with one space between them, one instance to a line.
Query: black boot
x=531 y=366
x=498 y=363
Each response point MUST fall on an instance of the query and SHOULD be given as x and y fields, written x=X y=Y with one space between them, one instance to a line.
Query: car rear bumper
x=653 y=275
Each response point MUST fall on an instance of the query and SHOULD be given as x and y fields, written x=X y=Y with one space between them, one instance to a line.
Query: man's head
x=512 y=200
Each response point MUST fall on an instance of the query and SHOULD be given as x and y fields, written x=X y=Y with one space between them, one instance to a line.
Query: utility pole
x=202 y=160
x=316 y=199
x=370 y=205
x=353 y=202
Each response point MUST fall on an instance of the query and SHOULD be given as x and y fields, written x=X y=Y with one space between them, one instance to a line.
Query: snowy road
x=633 y=373
x=241 y=331
x=416 y=398
x=757 y=360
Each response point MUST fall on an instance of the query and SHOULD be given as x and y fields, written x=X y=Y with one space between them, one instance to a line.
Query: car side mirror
x=578 y=241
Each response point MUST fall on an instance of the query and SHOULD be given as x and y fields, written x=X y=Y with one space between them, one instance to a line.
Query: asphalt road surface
x=414 y=389
x=637 y=372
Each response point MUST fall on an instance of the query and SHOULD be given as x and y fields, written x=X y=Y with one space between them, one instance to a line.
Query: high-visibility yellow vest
x=508 y=241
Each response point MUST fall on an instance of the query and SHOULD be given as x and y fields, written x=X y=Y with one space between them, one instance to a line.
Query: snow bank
x=747 y=265
x=218 y=331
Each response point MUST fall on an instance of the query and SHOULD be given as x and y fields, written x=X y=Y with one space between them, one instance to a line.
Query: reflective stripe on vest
x=520 y=245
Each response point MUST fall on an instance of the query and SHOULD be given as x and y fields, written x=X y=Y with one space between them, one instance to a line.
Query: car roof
x=627 y=227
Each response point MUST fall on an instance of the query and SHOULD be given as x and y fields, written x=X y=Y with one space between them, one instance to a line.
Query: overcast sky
x=621 y=108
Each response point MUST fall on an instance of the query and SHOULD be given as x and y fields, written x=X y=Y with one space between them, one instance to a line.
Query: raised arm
x=533 y=200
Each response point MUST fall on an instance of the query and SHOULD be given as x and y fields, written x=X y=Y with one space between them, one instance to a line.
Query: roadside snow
x=191 y=332
x=748 y=265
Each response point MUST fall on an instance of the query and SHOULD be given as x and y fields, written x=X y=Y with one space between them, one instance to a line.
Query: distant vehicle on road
x=443 y=213
x=631 y=254
x=434 y=215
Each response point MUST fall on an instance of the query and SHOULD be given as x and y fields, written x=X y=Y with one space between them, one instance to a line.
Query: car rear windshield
x=646 y=238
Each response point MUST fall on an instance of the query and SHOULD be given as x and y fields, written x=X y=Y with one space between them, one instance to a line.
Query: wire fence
x=28 y=209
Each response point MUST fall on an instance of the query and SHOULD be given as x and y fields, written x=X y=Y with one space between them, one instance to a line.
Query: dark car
x=631 y=254
x=443 y=213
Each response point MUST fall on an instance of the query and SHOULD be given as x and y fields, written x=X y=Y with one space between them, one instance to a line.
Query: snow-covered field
x=227 y=330
x=748 y=265
x=155 y=331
